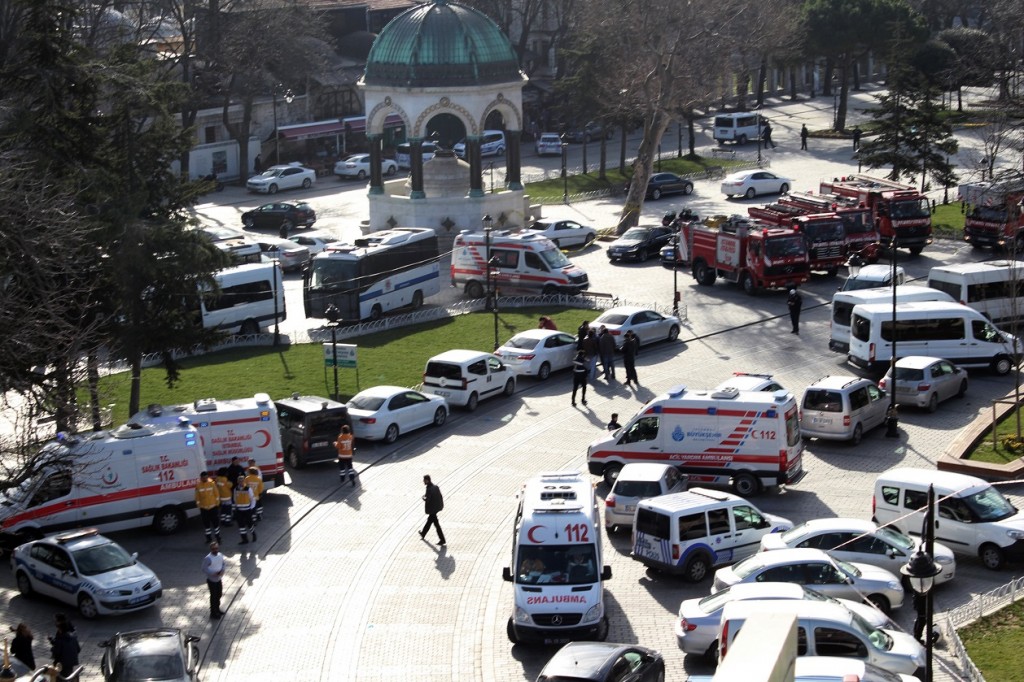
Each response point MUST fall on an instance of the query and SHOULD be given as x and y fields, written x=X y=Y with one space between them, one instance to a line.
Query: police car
x=87 y=570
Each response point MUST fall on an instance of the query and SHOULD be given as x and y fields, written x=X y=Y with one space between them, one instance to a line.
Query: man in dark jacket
x=433 y=502
x=630 y=347
x=606 y=346
x=796 y=304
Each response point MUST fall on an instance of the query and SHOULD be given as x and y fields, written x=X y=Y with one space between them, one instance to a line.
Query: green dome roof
x=440 y=44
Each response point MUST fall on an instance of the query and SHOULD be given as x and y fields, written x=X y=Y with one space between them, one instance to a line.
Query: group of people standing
x=64 y=646
x=599 y=344
x=235 y=494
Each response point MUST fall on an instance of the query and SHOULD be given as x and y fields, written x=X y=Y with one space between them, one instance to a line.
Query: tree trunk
x=93 y=377
x=655 y=124
x=135 y=364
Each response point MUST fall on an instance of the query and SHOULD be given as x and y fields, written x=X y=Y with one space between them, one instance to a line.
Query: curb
x=955 y=456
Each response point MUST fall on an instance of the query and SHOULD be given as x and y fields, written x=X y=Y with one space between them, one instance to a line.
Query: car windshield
x=522 y=342
x=102 y=559
x=894 y=538
x=610 y=318
x=917 y=208
x=990 y=505
x=748 y=567
x=560 y=564
x=850 y=569
x=272 y=172
x=782 y=247
x=136 y=668
x=555 y=258
x=879 y=639
x=637 y=233
x=716 y=601
x=909 y=374
x=642 y=489
x=795 y=535
x=370 y=403
x=539 y=225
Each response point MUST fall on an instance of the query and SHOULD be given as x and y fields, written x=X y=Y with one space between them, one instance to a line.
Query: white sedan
x=276 y=178
x=538 y=352
x=750 y=183
x=563 y=233
x=315 y=242
x=290 y=255
x=648 y=325
x=385 y=412
x=358 y=166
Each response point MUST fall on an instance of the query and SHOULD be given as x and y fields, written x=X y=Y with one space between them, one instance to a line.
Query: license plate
x=821 y=420
x=630 y=507
x=139 y=600
x=443 y=394
x=320 y=444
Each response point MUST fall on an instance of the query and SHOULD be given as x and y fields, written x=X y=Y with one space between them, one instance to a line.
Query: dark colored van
x=309 y=426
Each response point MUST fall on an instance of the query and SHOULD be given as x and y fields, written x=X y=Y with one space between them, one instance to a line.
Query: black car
x=662 y=184
x=154 y=654
x=309 y=426
x=603 y=662
x=640 y=243
x=290 y=214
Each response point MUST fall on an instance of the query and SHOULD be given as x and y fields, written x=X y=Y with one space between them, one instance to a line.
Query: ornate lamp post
x=492 y=264
x=921 y=570
x=333 y=320
x=675 y=275
x=565 y=176
x=892 y=425
x=289 y=97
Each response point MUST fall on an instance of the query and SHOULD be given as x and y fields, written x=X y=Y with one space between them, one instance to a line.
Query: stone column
x=513 y=161
x=416 y=168
x=476 y=186
x=376 y=177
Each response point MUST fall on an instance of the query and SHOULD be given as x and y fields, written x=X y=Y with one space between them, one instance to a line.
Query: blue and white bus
x=380 y=272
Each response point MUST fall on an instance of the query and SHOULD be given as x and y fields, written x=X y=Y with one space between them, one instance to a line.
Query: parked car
x=697 y=625
x=465 y=377
x=564 y=233
x=287 y=214
x=276 y=178
x=386 y=412
x=290 y=255
x=662 y=184
x=603 y=662
x=87 y=570
x=358 y=166
x=750 y=183
x=648 y=325
x=925 y=382
x=639 y=481
x=747 y=381
x=538 y=352
x=591 y=131
x=816 y=569
x=842 y=408
x=403 y=153
x=164 y=654
x=860 y=541
x=309 y=424
x=640 y=243
x=315 y=242
x=548 y=143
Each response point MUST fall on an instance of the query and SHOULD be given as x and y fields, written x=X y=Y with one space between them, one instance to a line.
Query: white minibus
x=738 y=127
x=844 y=301
x=250 y=296
x=991 y=288
x=933 y=328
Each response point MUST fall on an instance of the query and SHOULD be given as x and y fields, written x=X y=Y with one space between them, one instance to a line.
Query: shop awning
x=357 y=124
x=305 y=131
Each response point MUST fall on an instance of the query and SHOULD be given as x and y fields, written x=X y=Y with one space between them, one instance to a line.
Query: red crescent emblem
x=529 y=535
x=266 y=436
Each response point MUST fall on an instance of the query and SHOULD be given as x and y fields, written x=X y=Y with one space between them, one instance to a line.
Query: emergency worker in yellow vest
x=345 y=444
x=254 y=479
x=244 y=498
x=208 y=501
x=224 y=488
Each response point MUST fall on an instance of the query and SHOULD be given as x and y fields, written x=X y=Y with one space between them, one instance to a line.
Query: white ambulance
x=130 y=477
x=557 y=562
x=748 y=438
x=245 y=428
x=522 y=261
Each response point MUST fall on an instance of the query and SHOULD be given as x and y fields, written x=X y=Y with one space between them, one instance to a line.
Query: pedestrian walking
x=254 y=479
x=433 y=502
x=766 y=135
x=213 y=569
x=580 y=372
x=235 y=469
x=257 y=164
x=804 y=133
x=606 y=346
x=581 y=334
x=630 y=347
x=64 y=647
x=547 y=323
x=224 y=488
x=795 y=303
x=21 y=645
x=208 y=501
x=244 y=499
x=591 y=350
x=345 y=444
x=613 y=423
x=856 y=138
x=282 y=231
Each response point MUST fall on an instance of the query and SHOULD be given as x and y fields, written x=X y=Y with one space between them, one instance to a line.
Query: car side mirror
x=506 y=574
x=104 y=644
x=606 y=574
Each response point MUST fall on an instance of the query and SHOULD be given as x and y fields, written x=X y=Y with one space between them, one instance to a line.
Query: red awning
x=306 y=131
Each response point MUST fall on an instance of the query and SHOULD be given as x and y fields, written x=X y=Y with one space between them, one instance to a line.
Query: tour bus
x=991 y=288
x=844 y=301
x=943 y=330
x=380 y=272
x=250 y=296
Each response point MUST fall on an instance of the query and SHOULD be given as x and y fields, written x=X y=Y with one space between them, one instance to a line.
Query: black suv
x=309 y=426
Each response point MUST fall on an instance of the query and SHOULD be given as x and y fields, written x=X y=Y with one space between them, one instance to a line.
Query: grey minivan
x=841 y=408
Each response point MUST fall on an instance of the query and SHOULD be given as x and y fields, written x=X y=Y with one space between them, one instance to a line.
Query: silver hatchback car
x=842 y=408
x=925 y=382
x=639 y=481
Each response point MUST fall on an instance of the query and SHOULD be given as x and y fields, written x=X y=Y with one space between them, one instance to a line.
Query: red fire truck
x=861 y=235
x=754 y=255
x=995 y=217
x=823 y=233
x=899 y=211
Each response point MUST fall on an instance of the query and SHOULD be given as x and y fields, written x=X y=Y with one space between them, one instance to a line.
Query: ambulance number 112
x=577 y=532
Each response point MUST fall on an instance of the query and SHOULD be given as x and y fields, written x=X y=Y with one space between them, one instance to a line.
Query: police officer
x=208 y=501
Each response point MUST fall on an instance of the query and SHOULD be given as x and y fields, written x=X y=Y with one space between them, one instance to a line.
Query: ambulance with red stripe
x=749 y=439
x=557 y=562
x=522 y=261
x=246 y=428
x=130 y=477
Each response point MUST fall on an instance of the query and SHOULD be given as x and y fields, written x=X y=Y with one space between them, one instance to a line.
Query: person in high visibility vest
x=254 y=479
x=208 y=501
x=345 y=445
x=244 y=499
x=224 y=488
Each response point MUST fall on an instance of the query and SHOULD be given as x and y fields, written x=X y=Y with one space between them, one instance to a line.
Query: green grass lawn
x=948 y=216
x=992 y=640
x=1004 y=452
x=393 y=357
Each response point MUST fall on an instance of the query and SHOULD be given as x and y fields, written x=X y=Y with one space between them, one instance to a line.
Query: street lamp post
x=892 y=425
x=289 y=97
x=565 y=176
x=759 y=135
x=277 y=329
x=333 y=319
x=835 y=103
x=921 y=570
x=675 y=276
x=492 y=263
x=679 y=149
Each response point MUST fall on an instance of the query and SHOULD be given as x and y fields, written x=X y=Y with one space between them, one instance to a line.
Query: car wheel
x=783 y=188
x=643 y=256
x=697 y=568
x=473 y=401
x=287 y=226
x=673 y=333
x=745 y=484
x=991 y=556
x=307 y=183
x=1001 y=365
x=391 y=435
x=249 y=327
x=292 y=457
x=916 y=250
x=361 y=175
x=880 y=602
x=711 y=655
x=963 y=389
x=391 y=171
x=702 y=273
x=510 y=387
x=611 y=472
x=750 y=193
x=602 y=630
x=24 y=584
x=168 y=520
x=748 y=284
x=549 y=290
x=87 y=607
x=375 y=312
x=558 y=244
x=933 y=402
x=588 y=241
x=248 y=222
x=858 y=435
x=544 y=372
x=272 y=189
x=417 y=300
x=688 y=188
x=656 y=194
x=742 y=139
x=440 y=416
x=510 y=632
x=500 y=152
x=474 y=289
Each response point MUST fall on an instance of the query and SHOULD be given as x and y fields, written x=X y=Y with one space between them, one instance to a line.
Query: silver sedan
x=750 y=183
x=648 y=325
x=925 y=382
x=385 y=412
x=538 y=352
